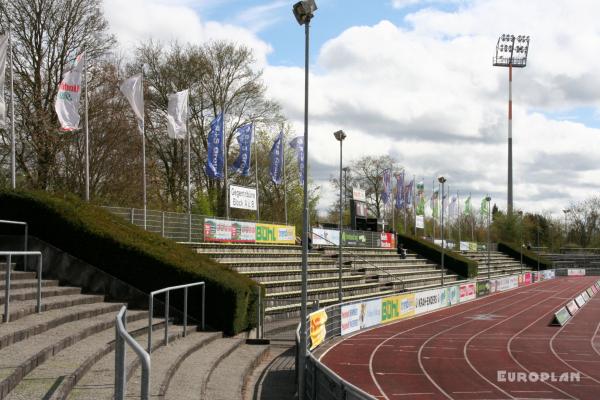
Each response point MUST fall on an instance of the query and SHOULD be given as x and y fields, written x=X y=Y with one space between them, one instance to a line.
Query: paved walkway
x=275 y=378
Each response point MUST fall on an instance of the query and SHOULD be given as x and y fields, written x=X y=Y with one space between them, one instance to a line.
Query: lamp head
x=304 y=10
x=488 y=199
x=339 y=135
x=442 y=180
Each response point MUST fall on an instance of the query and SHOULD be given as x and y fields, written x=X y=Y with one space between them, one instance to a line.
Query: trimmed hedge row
x=456 y=263
x=139 y=258
x=529 y=257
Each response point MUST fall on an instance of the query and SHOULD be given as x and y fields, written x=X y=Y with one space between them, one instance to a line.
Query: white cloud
x=133 y=21
x=428 y=94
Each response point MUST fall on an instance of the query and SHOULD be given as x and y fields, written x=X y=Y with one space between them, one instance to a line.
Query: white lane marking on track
x=394 y=337
x=510 y=353
x=475 y=392
x=398 y=373
x=412 y=394
x=466 y=345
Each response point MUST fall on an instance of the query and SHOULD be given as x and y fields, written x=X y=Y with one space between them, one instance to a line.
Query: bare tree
x=585 y=221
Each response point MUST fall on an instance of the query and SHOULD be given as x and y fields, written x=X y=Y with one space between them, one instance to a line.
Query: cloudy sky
x=414 y=79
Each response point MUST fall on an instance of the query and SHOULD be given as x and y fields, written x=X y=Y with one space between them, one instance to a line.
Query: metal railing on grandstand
x=122 y=337
x=9 y=257
x=167 y=292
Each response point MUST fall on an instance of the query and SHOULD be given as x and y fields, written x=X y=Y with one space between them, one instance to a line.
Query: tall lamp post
x=510 y=55
x=442 y=180
x=521 y=239
x=489 y=243
x=303 y=11
x=340 y=136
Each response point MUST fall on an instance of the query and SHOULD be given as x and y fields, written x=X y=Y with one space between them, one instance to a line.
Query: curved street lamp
x=340 y=136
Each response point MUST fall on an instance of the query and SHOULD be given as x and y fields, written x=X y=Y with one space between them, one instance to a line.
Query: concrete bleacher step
x=270 y=275
x=17 y=275
x=21 y=358
x=190 y=380
x=28 y=293
x=27 y=284
x=167 y=360
x=318 y=283
x=228 y=379
x=21 y=309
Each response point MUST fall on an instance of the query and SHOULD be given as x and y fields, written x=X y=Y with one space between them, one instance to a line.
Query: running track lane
x=438 y=355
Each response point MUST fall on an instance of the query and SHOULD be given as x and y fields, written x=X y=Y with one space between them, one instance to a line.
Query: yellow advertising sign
x=280 y=234
x=397 y=307
x=317 y=328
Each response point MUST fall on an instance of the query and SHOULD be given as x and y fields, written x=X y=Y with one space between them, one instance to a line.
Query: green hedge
x=142 y=259
x=456 y=263
x=530 y=258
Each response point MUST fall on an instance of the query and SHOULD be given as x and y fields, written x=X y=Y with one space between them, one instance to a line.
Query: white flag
x=67 y=98
x=3 y=48
x=177 y=114
x=132 y=90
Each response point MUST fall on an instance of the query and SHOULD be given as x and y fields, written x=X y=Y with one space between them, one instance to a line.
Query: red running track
x=457 y=352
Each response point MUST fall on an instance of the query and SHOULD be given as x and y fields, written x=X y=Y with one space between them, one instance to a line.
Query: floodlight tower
x=511 y=52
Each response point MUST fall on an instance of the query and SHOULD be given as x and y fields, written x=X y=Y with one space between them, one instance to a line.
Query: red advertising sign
x=388 y=241
x=527 y=279
x=467 y=291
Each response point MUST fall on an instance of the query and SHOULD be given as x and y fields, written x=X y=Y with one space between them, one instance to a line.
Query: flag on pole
x=399 y=190
x=241 y=165
x=484 y=209
x=67 y=98
x=408 y=193
x=434 y=202
x=468 y=209
x=421 y=206
x=3 y=54
x=452 y=207
x=215 y=159
x=177 y=112
x=387 y=186
x=298 y=144
x=276 y=169
x=420 y=187
x=132 y=90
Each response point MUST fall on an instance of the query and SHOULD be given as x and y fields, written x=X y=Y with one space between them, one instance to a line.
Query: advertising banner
x=359 y=194
x=549 y=274
x=464 y=246
x=220 y=230
x=350 y=319
x=326 y=237
x=354 y=239
x=585 y=296
x=467 y=291
x=397 y=307
x=527 y=278
x=580 y=301
x=388 y=241
x=428 y=300
x=472 y=246
x=420 y=221
x=483 y=288
x=360 y=209
x=280 y=234
x=370 y=313
x=242 y=197
x=453 y=295
x=317 y=328
x=576 y=272
x=572 y=307
x=590 y=292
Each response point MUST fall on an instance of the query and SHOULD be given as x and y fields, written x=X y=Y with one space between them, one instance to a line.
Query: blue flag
x=241 y=165
x=408 y=193
x=387 y=186
x=298 y=144
x=215 y=159
x=277 y=160
x=400 y=191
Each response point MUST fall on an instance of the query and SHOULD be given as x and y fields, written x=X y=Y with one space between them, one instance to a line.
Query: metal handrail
x=9 y=255
x=121 y=337
x=25 y=237
x=167 y=290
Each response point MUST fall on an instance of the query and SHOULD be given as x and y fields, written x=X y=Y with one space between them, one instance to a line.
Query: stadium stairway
x=67 y=350
x=500 y=264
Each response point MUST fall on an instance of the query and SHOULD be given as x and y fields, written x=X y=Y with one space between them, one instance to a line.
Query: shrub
x=455 y=262
x=142 y=259
x=529 y=257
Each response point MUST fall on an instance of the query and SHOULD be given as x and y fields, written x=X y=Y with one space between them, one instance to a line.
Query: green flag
x=421 y=205
x=467 y=209
x=484 y=210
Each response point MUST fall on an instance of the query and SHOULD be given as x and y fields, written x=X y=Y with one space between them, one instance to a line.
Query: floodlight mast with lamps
x=303 y=11
x=340 y=136
x=510 y=55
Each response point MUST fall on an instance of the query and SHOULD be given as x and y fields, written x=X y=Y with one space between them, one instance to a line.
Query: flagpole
x=285 y=210
x=256 y=175
x=393 y=206
x=225 y=168
x=87 y=131
x=447 y=210
x=189 y=163
x=13 y=169
x=404 y=203
x=144 y=153
x=433 y=207
x=458 y=205
x=472 y=219
x=414 y=203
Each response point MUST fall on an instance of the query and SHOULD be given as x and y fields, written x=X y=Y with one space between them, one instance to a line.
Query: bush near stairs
x=453 y=261
x=142 y=259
